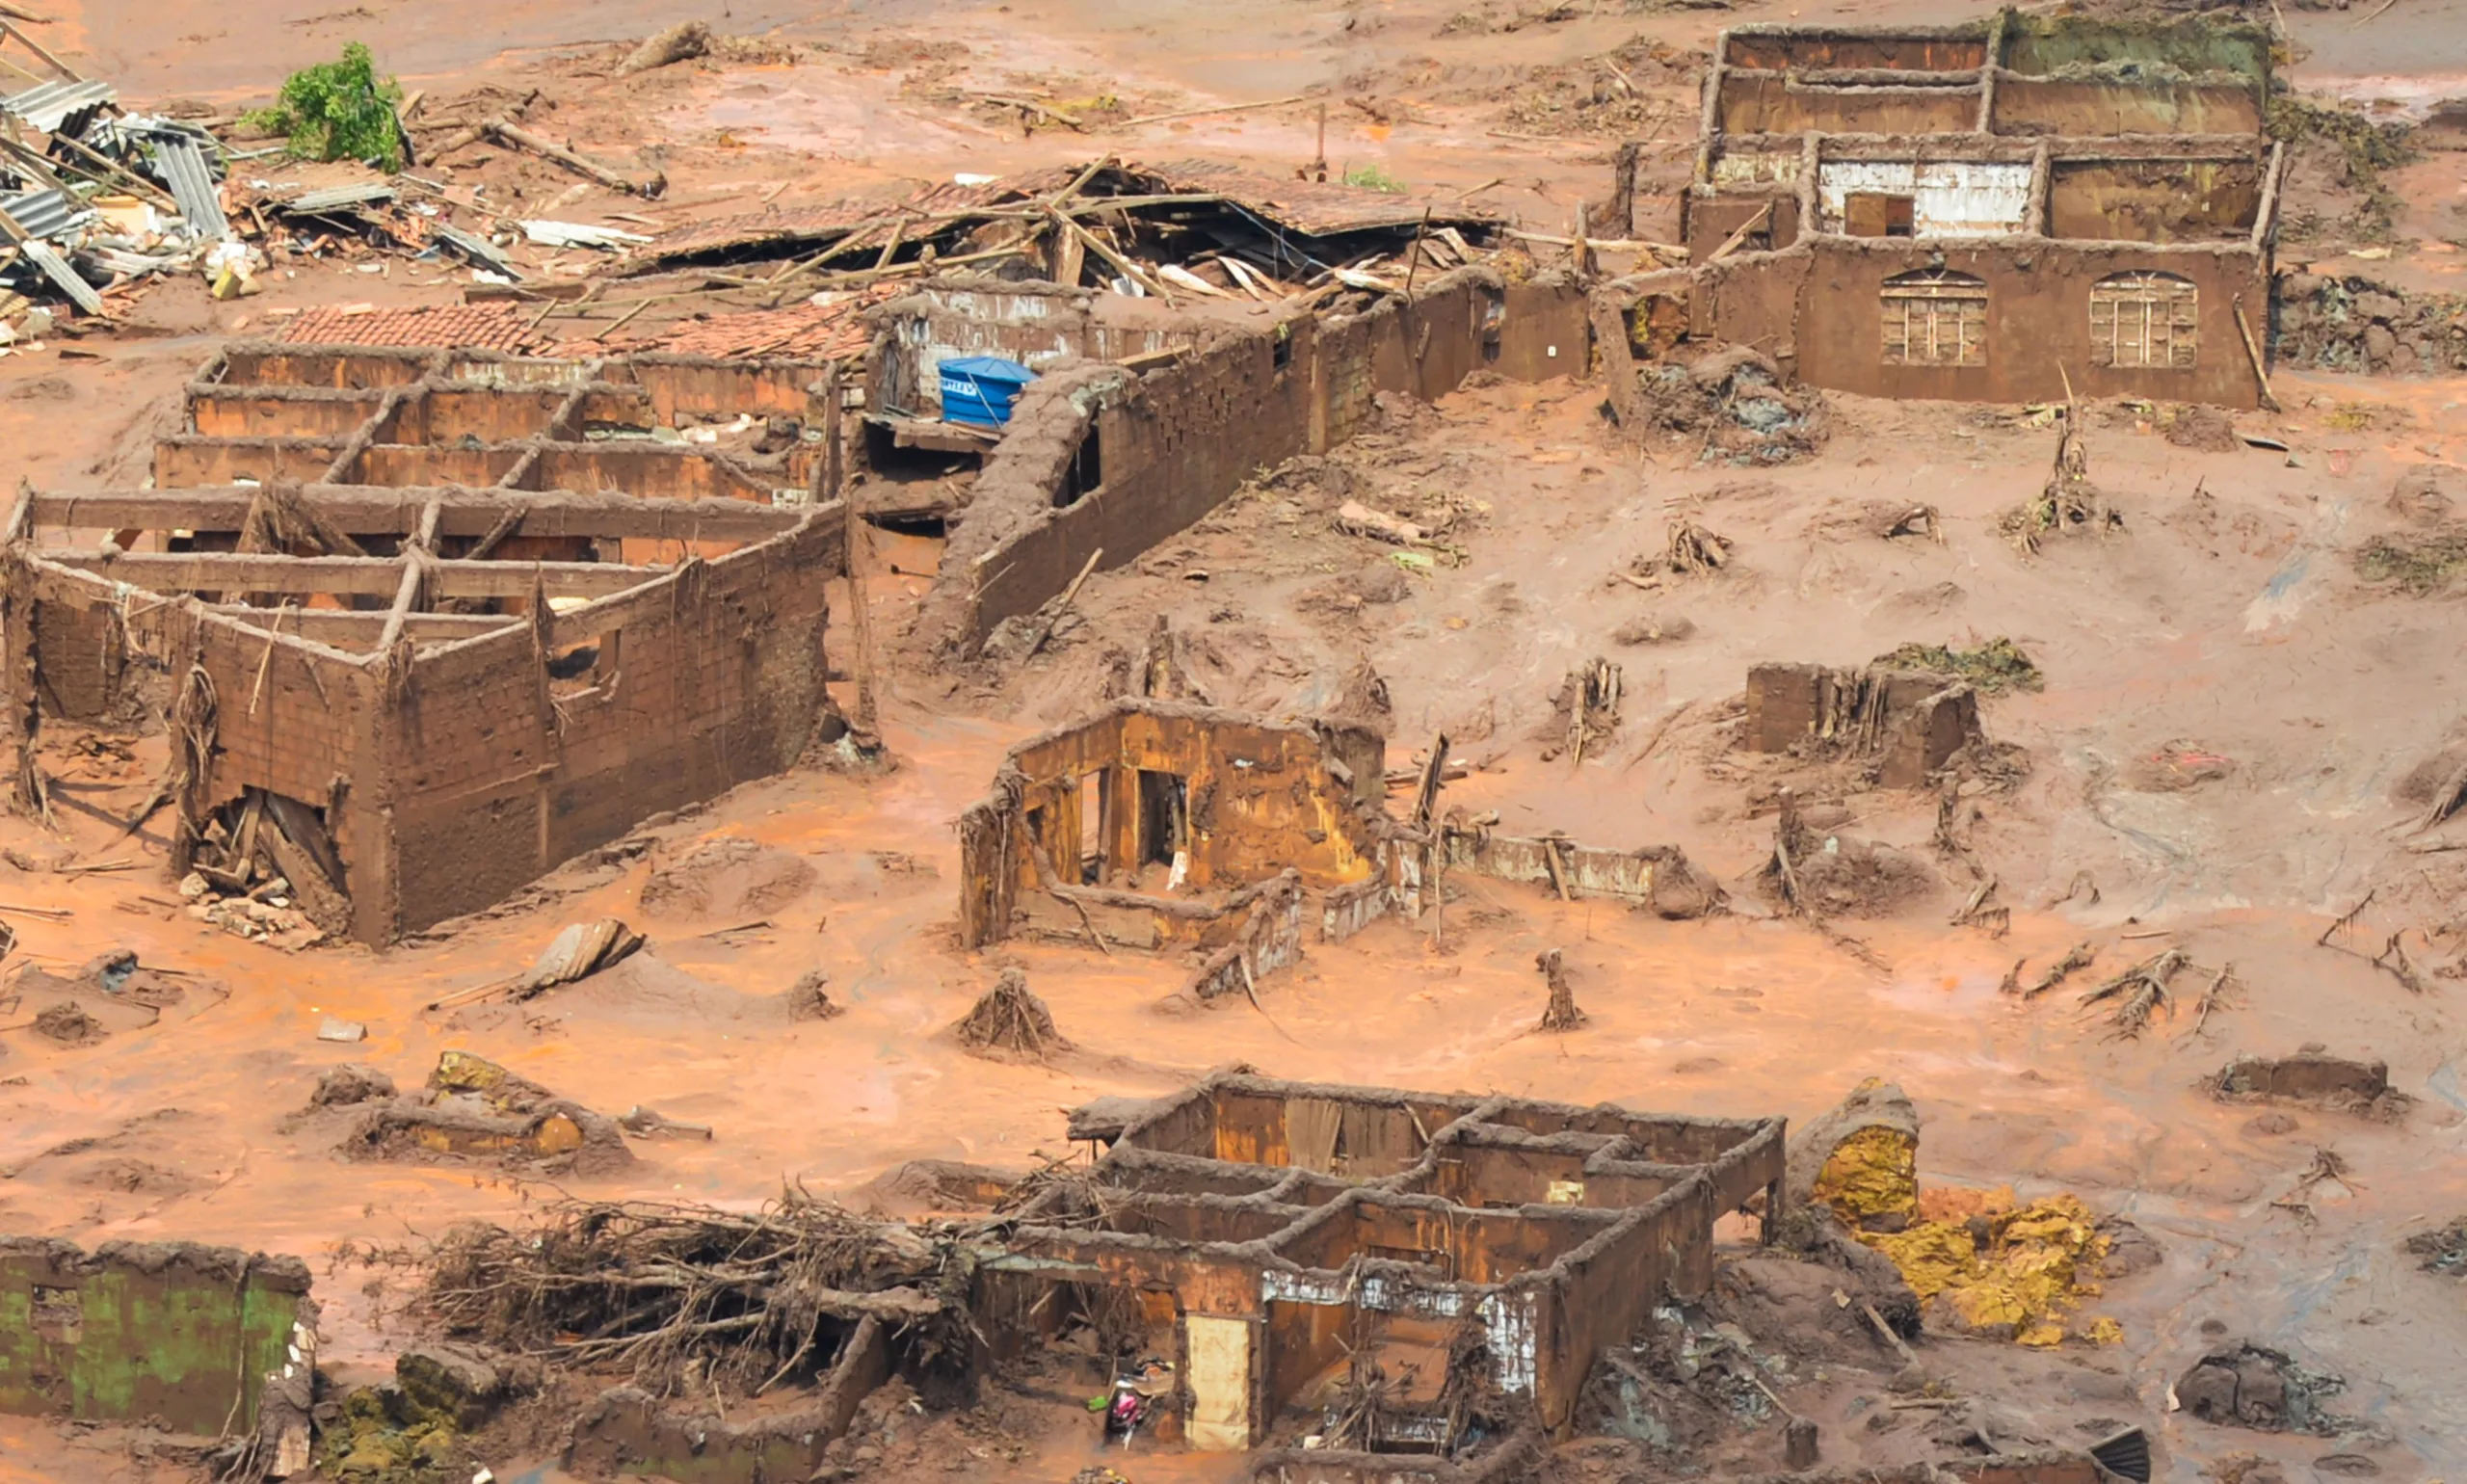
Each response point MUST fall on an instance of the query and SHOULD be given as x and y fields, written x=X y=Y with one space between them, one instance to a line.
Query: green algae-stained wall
x=2044 y=45
x=138 y=1330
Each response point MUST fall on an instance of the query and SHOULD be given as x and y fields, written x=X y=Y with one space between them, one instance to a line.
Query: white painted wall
x=1952 y=198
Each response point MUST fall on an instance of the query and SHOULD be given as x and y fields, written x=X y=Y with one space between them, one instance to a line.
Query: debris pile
x=100 y=198
x=417 y=1427
x=265 y=869
x=2069 y=504
x=2312 y=1076
x=1734 y=400
x=1983 y=1264
x=1586 y=709
x=1994 y=667
x=110 y=993
x=2354 y=323
x=810 y=997
x=474 y=1109
x=2443 y=1250
x=2418 y=563
x=1818 y=875
x=1009 y=1023
x=2248 y=1386
x=734 y=1302
x=1978 y=1262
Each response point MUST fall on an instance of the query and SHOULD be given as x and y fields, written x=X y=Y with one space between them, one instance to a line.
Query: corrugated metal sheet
x=478 y=251
x=56 y=268
x=343 y=198
x=46 y=213
x=1949 y=197
x=52 y=104
x=192 y=185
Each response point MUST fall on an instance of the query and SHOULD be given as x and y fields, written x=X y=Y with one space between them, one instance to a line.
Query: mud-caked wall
x=702 y=681
x=1775 y=103
x=1258 y=798
x=288 y=716
x=1174 y=442
x=185 y=1336
x=1820 y=308
x=1034 y=324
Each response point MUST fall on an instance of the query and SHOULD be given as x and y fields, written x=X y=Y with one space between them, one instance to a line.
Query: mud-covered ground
x=2241 y=729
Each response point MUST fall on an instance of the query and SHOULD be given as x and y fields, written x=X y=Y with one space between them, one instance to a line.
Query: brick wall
x=1175 y=442
x=708 y=678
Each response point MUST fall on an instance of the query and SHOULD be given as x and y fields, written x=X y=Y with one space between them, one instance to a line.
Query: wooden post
x=832 y=484
x=1619 y=211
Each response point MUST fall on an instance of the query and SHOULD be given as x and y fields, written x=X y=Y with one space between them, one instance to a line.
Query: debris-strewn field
x=2057 y=813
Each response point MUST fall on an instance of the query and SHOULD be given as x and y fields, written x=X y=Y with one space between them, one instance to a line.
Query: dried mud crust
x=729 y=877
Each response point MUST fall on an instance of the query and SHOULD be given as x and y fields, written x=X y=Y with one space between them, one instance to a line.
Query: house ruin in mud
x=1278 y=1238
x=1995 y=211
x=1160 y=824
x=1102 y=461
x=414 y=647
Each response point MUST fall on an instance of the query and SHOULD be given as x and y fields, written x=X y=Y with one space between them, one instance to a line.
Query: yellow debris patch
x=2004 y=1269
x=1873 y=1173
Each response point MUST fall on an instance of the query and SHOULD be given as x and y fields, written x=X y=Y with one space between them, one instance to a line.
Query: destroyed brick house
x=2006 y=210
x=390 y=601
x=1286 y=1241
x=413 y=646
x=1164 y=824
x=1161 y=823
x=1102 y=461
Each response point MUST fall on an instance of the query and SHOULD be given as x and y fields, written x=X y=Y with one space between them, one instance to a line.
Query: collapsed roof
x=1284 y=224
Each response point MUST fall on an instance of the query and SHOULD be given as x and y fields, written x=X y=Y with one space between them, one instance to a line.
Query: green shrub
x=1371 y=177
x=339 y=111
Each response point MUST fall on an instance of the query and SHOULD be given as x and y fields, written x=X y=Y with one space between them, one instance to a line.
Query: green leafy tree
x=339 y=111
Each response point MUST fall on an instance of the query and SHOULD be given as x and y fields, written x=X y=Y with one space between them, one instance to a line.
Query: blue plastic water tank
x=980 y=389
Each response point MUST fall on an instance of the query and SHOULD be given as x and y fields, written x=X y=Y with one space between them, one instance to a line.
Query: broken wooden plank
x=369 y=576
x=365 y=510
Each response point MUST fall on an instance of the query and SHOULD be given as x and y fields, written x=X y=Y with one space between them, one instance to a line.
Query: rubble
x=1736 y=404
x=1977 y=1261
x=472 y=1109
x=2444 y=1249
x=2314 y=1077
x=2250 y=1385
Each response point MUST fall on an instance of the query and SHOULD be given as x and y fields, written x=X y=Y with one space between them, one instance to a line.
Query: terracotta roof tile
x=804 y=331
x=492 y=327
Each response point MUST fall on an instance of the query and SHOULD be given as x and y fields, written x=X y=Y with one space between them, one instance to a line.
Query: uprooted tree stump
x=2070 y=502
x=810 y=997
x=1693 y=548
x=1590 y=701
x=1561 y=1014
x=1010 y=1022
